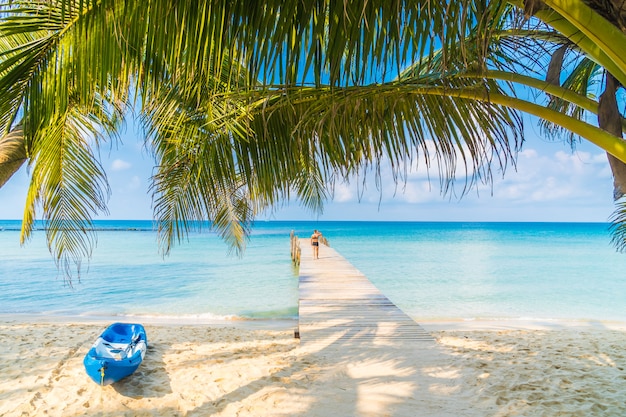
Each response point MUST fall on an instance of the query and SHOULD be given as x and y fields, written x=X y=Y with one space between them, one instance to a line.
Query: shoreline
x=227 y=369
x=520 y=324
x=431 y=325
x=251 y=324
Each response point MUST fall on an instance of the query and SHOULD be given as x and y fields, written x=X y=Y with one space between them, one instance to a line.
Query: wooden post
x=295 y=248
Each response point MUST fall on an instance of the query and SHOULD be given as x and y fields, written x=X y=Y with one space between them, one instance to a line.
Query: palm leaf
x=70 y=186
x=618 y=226
x=396 y=123
x=65 y=118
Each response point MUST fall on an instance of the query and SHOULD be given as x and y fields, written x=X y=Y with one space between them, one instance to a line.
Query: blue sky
x=550 y=184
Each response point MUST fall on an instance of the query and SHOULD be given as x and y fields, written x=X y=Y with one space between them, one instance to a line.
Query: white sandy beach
x=204 y=370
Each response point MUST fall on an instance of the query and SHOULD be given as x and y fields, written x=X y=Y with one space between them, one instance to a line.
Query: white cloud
x=343 y=193
x=120 y=165
x=134 y=183
x=528 y=153
x=558 y=176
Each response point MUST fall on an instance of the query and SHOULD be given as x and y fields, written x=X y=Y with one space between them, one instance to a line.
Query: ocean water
x=433 y=271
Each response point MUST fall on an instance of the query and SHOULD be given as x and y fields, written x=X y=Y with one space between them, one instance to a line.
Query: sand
x=207 y=370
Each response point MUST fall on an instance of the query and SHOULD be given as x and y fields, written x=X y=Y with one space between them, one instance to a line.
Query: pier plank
x=338 y=302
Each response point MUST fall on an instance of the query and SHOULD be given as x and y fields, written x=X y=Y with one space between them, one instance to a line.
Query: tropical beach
x=250 y=363
x=200 y=370
x=240 y=109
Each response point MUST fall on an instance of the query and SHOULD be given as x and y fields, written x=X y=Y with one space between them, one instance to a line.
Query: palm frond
x=618 y=226
x=582 y=76
x=67 y=109
x=70 y=185
x=21 y=56
x=196 y=179
x=347 y=129
x=197 y=186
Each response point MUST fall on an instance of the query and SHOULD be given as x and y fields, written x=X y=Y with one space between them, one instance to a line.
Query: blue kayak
x=117 y=353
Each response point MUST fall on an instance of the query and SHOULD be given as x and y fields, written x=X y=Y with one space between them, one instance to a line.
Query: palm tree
x=247 y=104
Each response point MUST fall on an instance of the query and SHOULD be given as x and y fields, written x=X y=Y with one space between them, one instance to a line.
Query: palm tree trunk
x=610 y=120
x=12 y=154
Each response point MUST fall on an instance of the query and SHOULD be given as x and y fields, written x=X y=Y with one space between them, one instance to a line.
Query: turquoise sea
x=433 y=271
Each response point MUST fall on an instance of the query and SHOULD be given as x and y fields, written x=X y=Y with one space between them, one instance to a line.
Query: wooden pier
x=339 y=306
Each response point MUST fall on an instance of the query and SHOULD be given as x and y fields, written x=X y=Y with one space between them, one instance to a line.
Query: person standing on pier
x=315 y=243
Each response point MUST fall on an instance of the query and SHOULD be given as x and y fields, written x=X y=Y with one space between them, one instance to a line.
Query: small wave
x=289 y=313
x=199 y=316
x=205 y=319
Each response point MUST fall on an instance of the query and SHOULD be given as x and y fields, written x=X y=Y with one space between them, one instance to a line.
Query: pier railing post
x=295 y=248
